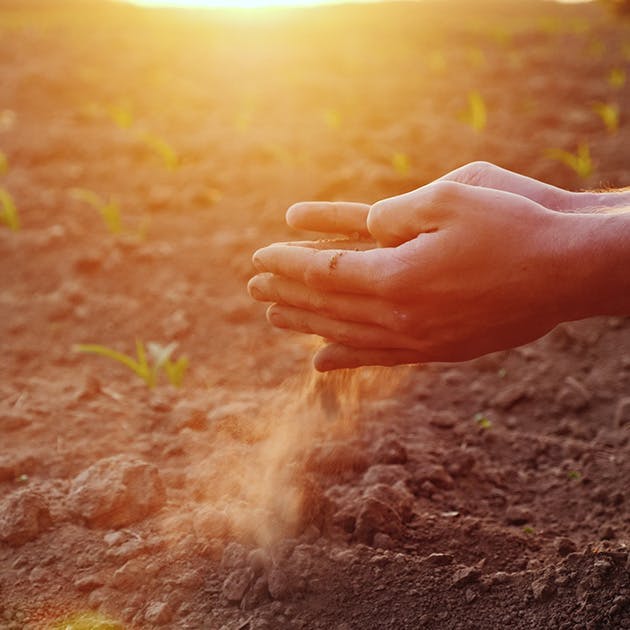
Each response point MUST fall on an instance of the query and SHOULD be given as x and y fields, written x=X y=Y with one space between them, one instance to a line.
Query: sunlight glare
x=238 y=4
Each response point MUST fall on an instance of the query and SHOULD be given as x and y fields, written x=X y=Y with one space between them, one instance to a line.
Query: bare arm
x=464 y=270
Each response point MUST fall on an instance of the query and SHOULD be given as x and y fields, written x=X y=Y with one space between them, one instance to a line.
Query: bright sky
x=240 y=3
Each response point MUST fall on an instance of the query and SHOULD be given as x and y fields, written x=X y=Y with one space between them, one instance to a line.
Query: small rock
x=508 y=397
x=397 y=497
x=257 y=595
x=23 y=515
x=88 y=583
x=376 y=516
x=517 y=515
x=383 y=541
x=443 y=419
x=622 y=412
x=470 y=595
x=466 y=575
x=390 y=451
x=236 y=584
x=158 y=613
x=573 y=395
x=278 y=583
x=435 y=474
x=565 y=546
x=543 y=588
x=116 y=491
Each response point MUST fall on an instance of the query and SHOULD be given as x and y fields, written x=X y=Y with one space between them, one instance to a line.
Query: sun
x=237 y=4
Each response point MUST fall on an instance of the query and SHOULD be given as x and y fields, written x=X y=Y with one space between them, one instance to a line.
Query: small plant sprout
x=529 y=530
x=482 y=420
x=580 y=161
x=401 y=163
x=332 y=118
x=617 y=78
x=8 y=211
x=476 y=114
x=162 y=149
x=609 y=113
x=4 y=164
x=121 y=115
x=109 y=210
x=140 y=365
x=574 y=475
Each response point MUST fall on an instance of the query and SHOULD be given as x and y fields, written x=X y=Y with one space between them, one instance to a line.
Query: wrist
x=595 y=259
x=602 y=202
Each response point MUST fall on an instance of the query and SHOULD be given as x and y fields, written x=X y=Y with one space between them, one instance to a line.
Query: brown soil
x=257 y=495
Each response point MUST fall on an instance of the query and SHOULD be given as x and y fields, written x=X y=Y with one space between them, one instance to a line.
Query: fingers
x=350 y=244
x=432 y=208
x=327 y=270
x=267 y=287
x=351 y=334
x=333 y=217
x=336 y=356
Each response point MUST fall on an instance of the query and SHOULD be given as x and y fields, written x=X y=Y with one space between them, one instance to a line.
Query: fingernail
x=255 y=292
x=257 y=261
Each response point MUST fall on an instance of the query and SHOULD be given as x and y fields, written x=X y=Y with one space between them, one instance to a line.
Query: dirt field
x=259 y=495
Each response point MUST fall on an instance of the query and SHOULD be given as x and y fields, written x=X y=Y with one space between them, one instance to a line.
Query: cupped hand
x=462 y=270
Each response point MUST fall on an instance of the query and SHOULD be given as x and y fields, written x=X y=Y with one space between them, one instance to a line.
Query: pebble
x=517 y=515
x=565 y=546
x=508 y=397
x=236 y=584
x=573 y=395
x=278 y=583
x=24 y=514
x=158 y=613
x=438 y=559
x=466 y=575
x=391 y=451
x=116 y=491
x=376 y=516
x=443 y=420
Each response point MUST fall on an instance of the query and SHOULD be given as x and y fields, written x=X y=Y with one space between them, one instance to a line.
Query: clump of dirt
x=258 y=494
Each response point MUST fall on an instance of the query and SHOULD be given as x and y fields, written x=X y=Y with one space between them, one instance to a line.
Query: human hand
x=464 y=270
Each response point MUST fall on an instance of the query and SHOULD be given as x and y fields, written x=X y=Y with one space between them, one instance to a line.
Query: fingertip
x=253 y=288
x=294 y=214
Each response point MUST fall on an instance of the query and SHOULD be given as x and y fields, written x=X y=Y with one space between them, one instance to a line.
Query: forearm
x=600 y=258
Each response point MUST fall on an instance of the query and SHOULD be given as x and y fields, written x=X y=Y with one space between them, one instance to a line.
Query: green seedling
x=482 y=421
x=529 y=530
x=574 y=475
x=8 y=211
x=109 y=210
x=162 y=149
x=609 y=113
x=332 y=118
x=617 y=78
x=476 y=115
x=4 y=163
x=174 y=370
x=140 y=365
x=121 y=115
x=86 y=621
x=580 y=161
x=401 y=163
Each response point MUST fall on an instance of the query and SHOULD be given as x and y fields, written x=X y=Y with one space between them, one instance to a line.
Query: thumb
x=399 y=219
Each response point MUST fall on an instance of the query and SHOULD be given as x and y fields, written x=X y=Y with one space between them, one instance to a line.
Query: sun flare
x=237 y=4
